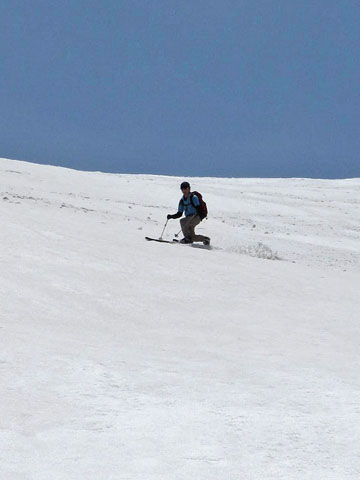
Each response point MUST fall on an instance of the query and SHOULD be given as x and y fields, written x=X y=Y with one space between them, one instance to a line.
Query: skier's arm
x=196 y=204
x=179 y=212
x=176 y=215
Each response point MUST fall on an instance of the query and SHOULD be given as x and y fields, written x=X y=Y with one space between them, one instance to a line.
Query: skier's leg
x=184 y=222
x=195 y=220
x=188 y=225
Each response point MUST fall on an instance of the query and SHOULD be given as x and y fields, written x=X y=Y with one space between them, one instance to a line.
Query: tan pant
x=188 y=225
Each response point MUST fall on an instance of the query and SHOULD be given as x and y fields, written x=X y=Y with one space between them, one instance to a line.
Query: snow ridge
x=127 y=359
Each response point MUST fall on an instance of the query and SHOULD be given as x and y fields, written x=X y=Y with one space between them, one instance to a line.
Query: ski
x=149 y=239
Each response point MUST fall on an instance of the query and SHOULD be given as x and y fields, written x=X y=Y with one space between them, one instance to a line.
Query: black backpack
x=203 y=211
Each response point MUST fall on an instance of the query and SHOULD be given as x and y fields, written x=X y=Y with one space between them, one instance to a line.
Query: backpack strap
x=191 y=199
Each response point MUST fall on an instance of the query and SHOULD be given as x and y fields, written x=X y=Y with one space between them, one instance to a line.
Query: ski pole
x=161 y=236
x=177 y=234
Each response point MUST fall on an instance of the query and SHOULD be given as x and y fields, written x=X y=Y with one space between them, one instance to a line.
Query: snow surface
x=127 y=359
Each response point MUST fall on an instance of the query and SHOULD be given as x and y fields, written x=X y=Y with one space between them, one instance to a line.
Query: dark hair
x=184 y=185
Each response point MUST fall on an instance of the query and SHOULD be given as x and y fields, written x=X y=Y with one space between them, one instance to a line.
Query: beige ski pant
x=188 y=225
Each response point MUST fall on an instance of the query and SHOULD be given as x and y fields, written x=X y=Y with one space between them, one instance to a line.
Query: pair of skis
x=161 y=240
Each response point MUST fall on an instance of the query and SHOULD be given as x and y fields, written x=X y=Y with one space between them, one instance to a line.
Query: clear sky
x=237 y=88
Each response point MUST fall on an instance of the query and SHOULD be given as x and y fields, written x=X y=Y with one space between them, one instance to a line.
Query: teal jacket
x=188 y=205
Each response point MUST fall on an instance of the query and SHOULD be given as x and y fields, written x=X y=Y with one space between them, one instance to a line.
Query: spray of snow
x=258 y=250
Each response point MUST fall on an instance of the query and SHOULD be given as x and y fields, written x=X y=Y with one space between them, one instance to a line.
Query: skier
x=190 y=204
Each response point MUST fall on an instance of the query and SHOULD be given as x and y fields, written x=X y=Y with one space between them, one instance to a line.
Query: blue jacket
x=187 y=206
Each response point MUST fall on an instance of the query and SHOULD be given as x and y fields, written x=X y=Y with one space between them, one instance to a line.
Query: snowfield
x=126 y=359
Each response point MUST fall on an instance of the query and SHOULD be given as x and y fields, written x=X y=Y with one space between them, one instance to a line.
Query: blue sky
x=211 y=88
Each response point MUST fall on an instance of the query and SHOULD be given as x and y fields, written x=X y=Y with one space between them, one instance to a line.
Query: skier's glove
x=176 y=215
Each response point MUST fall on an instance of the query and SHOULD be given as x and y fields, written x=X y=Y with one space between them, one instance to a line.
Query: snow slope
x=125 y=359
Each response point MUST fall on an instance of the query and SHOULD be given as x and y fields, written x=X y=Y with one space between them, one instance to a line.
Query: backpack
x=203 y=211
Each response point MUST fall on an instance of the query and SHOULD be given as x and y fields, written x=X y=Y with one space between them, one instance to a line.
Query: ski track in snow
x=128 y=359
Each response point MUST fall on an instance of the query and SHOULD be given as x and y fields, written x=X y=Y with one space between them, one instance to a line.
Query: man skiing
x=190 y=204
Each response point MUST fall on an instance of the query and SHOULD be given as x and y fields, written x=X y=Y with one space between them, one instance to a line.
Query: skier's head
x=184 y=186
